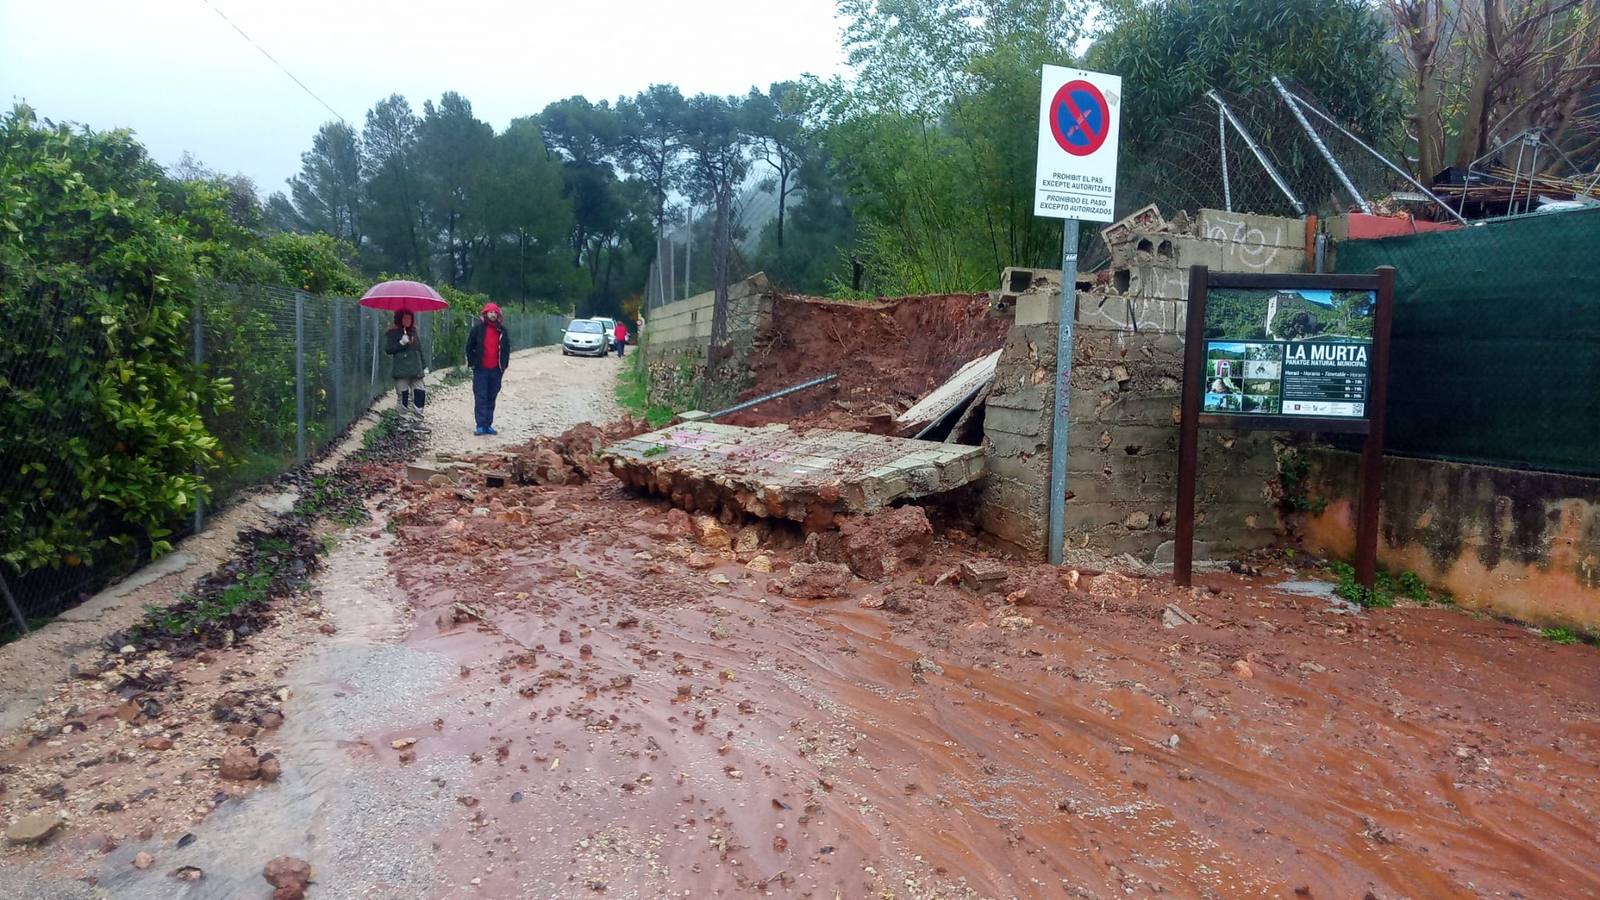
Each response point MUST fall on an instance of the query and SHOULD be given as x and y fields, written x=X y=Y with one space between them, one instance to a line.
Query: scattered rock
x=870 y=602
x=188 y=873
x=760 y=564
x=240 y=764
x=402 y=743
x=1243 y=669
x=751 y=537
x=1371 y=829
x=289 y=875
x=158 y=743
x=143 y=861
x=270 y=768
x=34 y=829
x=1016 y=623
x=720 y=579
x=711 y=534
x=816 y=581
x=922 y=665
x=1309 y=666
x=328 y=628
x=698 y=560
x=884 y=543
x=1137 y=521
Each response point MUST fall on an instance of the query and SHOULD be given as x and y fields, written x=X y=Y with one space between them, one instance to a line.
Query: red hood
x=490 y=308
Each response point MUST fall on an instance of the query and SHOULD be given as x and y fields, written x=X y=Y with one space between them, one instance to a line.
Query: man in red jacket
x=488 y=354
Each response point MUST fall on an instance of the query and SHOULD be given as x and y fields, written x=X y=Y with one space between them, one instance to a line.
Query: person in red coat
x=488 y=353
x=619 y=336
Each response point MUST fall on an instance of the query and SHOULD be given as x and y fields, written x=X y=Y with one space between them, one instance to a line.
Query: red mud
x=887 y=354
x=652 y=729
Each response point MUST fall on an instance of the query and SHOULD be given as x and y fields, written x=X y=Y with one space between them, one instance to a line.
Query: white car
x=610 y=326
x=585 y=337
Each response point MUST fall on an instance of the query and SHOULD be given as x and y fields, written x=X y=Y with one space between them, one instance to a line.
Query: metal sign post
x=1075 y=180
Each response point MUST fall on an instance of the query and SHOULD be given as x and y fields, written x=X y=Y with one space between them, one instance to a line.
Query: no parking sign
x=1078 y=122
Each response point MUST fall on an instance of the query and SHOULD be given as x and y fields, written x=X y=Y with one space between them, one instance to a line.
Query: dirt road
x=567 y=691
x=543 y=392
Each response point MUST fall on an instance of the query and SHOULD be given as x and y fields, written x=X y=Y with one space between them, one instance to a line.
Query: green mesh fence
x=1496 y=347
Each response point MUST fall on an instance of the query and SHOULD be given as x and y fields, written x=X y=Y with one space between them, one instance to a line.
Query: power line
x=280 y=65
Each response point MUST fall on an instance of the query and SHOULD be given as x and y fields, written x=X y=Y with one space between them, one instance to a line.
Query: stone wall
x=1509 y=542
x=677 y=338
x=1127 y=371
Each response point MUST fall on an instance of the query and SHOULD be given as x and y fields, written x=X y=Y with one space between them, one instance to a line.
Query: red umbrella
x=403 y=296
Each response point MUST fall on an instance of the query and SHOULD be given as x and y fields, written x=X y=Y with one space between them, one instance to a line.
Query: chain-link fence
x=95 y=420
x=1263 y=152
x=684 y=263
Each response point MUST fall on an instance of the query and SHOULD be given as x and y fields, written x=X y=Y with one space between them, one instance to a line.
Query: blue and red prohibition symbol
x=1079 y=118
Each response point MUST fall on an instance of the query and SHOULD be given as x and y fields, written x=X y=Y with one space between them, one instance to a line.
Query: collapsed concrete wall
x=677 y=341
x=1127 y=371
x=1511 y=542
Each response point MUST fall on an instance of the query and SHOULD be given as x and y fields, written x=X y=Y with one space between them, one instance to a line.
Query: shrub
x=100 y=424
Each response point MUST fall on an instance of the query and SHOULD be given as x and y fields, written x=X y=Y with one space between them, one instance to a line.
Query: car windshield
x=584 y=327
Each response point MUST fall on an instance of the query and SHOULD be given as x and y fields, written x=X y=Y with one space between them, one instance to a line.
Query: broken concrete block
x=983 y=575
x=775 y=472
x=946 y=397
x=426 y=474
x=816 y=581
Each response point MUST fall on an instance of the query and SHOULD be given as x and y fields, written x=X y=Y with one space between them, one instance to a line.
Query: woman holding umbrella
x=407 y=366
x=405 y=362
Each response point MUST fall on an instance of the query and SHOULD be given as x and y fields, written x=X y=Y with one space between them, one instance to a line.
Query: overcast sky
x=178 y=75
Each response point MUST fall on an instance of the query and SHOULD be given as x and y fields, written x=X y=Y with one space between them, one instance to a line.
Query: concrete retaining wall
x=1127 y=372
x=1513 y=543
x=678 y=338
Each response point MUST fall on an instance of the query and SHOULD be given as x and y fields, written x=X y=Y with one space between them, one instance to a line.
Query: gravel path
x=543 y=393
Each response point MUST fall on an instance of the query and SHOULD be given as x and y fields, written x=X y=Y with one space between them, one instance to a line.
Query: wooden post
x=1372 y=449
x=1194 y=341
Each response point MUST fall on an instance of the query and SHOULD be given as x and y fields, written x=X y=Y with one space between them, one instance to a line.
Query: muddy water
x=635 y=727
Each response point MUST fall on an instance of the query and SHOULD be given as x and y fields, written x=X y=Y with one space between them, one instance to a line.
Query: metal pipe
x=300 y=376
x=16 y=612
x=1511 y=204
x=1322 y=148
x=1066 y=311
x=773 y=396
x=1381 y=158
x=199 y=360
x=1222 y=145
x=338 y=364
x=1533 y=172
x=1277 y=179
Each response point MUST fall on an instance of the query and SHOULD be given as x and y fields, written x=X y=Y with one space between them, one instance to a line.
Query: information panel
x=1288 y=352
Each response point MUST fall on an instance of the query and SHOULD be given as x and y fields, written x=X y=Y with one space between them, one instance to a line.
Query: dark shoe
x=490 y=430
x=478 y=431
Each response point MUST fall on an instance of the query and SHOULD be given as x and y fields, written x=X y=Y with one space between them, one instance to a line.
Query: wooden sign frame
x=1201 y=280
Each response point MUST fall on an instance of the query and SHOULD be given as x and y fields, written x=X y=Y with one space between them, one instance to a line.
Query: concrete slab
x=942 y=399
x=777 y=472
